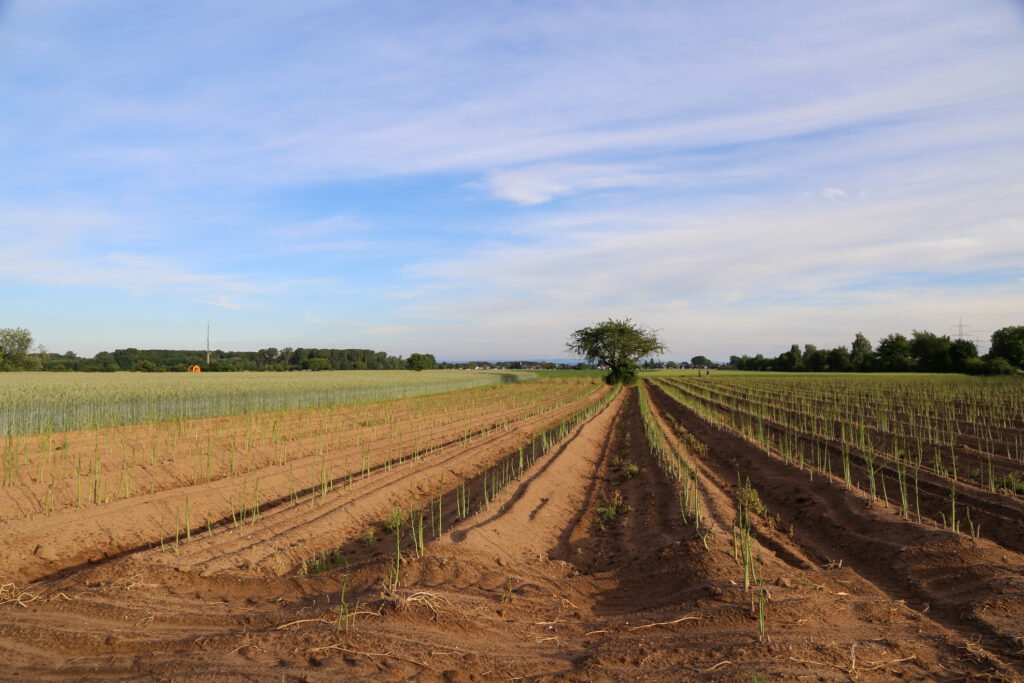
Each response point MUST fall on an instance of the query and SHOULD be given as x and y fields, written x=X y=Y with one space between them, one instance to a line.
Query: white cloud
x=819 y=268
x=541 y=183
x=318 y=320
x=835 y=194
x=505 y=88
x=741 y=160
x=38 y=228
x=395 y=330
x=75 y=247
x=224 y=302
x=337 y=234
x=321 y=228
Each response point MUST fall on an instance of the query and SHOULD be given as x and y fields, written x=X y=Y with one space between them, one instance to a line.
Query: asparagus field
x=740 y=527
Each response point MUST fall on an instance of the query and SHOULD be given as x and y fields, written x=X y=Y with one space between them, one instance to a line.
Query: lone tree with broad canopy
x=619 y=344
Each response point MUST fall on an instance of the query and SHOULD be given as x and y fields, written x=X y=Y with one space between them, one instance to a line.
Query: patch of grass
x=369 y=541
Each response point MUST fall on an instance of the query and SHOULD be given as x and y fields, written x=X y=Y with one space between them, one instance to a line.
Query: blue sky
x=478 y=179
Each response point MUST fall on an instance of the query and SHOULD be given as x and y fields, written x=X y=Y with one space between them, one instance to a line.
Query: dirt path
x=533 y=522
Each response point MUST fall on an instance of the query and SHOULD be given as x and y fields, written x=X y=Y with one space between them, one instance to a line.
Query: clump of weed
x=322 y=561
x=1011 y=482
x=749 y=499
x=508 y=596
x=369 y=541
x=396 y=521
x=625 y=468
x=596 y=563
x=609 y=507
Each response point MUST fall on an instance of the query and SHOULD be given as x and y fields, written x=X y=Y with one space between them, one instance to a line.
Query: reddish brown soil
x=534 y=585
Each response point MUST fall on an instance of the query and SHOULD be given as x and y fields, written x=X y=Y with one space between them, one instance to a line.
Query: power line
x=959 y=327
x=980 y=338
x=962 y=330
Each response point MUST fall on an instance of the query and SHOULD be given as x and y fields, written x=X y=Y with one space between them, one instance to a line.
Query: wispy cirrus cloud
x=541 y=161
x=329 y=227
x=224 y=302
x=82 y=247
x=835 y=194
x=870 y=265
x=319 y=320
x=540 y=183
x=658 y=80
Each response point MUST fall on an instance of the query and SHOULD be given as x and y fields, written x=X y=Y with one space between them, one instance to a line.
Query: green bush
x=316 y=364
x=144 y=366
x=1000 y=366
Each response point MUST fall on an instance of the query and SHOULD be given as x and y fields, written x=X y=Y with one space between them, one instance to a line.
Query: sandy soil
x=999 y=517
x=343 y=461
x=540 y=581
x=997 y=453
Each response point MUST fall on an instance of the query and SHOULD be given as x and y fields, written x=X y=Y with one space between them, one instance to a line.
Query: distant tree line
x=510 y=365
x=700 y=362
x=16 y=354
x=923 y=351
